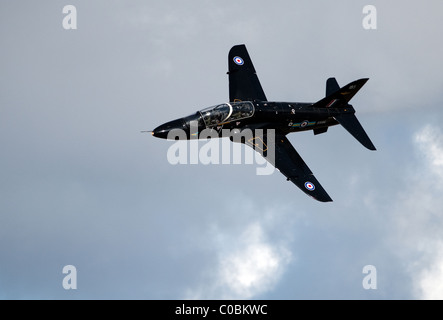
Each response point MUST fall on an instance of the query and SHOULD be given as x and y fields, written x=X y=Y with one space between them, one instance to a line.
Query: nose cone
x=163 y=130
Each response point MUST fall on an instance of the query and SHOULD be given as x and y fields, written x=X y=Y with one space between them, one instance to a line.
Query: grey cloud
x=81 y=185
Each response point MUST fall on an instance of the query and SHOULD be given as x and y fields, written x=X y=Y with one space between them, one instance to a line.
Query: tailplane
x=350 y=122
x=337 y=97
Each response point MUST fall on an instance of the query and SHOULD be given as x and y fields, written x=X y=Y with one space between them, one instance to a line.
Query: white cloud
x=254 y=266
x=418 y=217
x=430 y=142
x=248 y=264
x=429 y=283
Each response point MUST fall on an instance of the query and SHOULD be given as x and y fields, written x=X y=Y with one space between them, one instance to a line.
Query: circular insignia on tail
x=239 y=61
x=310 y=186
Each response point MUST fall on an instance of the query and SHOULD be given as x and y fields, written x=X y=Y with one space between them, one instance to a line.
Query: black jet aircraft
x=250 y=109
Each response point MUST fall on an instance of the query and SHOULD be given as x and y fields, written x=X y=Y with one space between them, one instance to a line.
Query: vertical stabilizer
x=331 y=86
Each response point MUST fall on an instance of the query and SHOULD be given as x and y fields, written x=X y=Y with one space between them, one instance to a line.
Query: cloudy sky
x=81 y=185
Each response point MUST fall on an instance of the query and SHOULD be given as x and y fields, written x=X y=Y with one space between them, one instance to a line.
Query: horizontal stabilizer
x=339 y=98
x=353 y=126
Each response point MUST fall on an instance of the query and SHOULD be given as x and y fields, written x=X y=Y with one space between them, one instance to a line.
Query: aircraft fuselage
x=284 y=116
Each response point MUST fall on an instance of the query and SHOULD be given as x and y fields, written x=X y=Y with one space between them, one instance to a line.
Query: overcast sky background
x=80 y=185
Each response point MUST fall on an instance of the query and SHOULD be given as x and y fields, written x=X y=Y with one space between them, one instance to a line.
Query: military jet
x=249 y=109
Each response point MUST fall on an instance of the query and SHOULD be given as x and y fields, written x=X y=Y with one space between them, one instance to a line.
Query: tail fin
x=350 y=122
x=331 y=86
x=339 y=98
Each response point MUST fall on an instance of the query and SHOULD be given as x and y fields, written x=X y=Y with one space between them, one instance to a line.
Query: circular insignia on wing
x=239 y=61
x=304 y=123
x=310 y=186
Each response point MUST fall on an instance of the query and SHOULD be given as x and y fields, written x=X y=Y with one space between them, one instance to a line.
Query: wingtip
x=371 y=146
x=323 y=198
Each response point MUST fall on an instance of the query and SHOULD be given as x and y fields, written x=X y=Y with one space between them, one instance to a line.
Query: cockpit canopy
x=227 y=112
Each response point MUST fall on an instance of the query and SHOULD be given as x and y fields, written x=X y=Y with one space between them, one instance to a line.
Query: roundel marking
x=239 y=61
x=304 y=123
x=310 y=186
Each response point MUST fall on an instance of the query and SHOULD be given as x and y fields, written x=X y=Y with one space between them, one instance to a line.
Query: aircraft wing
x=288 y=161
x=243 y=81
